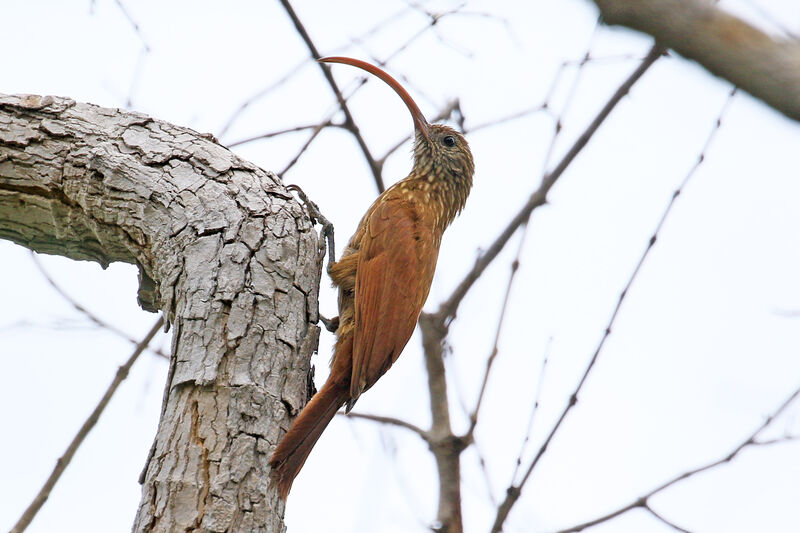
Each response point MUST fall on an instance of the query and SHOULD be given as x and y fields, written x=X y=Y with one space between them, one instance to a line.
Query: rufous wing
x=397 y=258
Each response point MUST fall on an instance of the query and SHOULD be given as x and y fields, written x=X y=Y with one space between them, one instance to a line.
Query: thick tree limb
x=726 y=46
x=224 y=251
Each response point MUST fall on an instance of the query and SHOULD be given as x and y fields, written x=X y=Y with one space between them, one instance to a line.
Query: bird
x=383 y=276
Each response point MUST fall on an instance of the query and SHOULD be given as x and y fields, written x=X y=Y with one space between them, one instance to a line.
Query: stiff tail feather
x=291 y=453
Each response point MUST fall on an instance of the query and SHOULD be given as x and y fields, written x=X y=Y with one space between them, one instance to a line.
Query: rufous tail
x=291 y=453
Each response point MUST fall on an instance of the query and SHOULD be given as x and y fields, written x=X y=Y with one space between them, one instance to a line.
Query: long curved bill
x=419 y=119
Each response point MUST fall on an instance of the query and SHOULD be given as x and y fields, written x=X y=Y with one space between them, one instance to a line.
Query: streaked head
x=439 y=151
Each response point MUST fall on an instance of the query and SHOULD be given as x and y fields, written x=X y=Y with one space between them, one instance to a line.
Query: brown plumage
x=383 y=277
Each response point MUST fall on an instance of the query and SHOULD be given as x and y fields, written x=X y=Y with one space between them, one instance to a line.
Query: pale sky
x=705 y=346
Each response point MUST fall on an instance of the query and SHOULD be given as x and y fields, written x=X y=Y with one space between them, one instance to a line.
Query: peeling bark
x=224 y=252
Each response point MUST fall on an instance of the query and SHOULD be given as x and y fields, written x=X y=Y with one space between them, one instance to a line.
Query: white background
x=704 y=347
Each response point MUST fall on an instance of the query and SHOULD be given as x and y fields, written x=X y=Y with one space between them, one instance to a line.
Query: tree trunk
x=223 y=250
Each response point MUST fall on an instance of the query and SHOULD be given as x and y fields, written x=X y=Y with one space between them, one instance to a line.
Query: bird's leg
x=317 y=217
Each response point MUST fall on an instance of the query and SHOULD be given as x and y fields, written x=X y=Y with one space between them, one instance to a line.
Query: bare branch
x=642 y=501
x=145 y=51
x=448 y=308
x=573 y=89
x=375 y=165
x=664 y=520
x=482 y=464
x=534 y=409
x=133 y=24
x=726 y=46
x=257 y=96
x=64 y=460
x=303 y=149
x=507 y=118
x=445 y=446
x=390 y=421
x=292 y=71
x=573 y=400
x=283 y=131
x=493 y=353
x=326 y=122
x=349 y=123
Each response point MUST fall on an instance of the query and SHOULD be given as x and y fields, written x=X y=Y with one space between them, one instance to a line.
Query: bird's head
x=440 y=152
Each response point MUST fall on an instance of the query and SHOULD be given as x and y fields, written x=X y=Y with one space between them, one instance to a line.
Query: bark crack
x=205 y=477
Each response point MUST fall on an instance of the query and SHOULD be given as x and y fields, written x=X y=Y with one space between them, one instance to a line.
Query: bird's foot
x=318 y=218
x=331 y=324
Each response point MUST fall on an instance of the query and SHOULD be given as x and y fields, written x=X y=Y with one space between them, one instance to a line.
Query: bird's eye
x=449 y=141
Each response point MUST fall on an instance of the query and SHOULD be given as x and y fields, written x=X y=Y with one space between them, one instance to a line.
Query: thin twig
x=445 y=113
x=349 y=122
x=64 y=460
x=573 y=400
x=390 y=421
x=558 y=123
x=434 y=327
x=326 y=122
x=402 y=48
x=484 y=471
x=571 y=92
x=664 y=520
x=534 y=409
x=88 y=314
x=435 y=17
x=473 y=418
x=143 y=53
x=642 y=501
x=257 y=96
x=376 y=165
x=614 y=58
x=283 y=131
x=580 y=63
x=507 y=118
x=448 y=308
x=303 y=149
x=133 y=24
x=137 y=75
x=394 y=17
x=433 y=24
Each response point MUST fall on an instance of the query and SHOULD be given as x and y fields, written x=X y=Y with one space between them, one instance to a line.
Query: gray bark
x=224 y=252
x=766 y=67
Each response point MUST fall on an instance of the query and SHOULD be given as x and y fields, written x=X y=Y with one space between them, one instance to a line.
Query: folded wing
x=396 y=263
